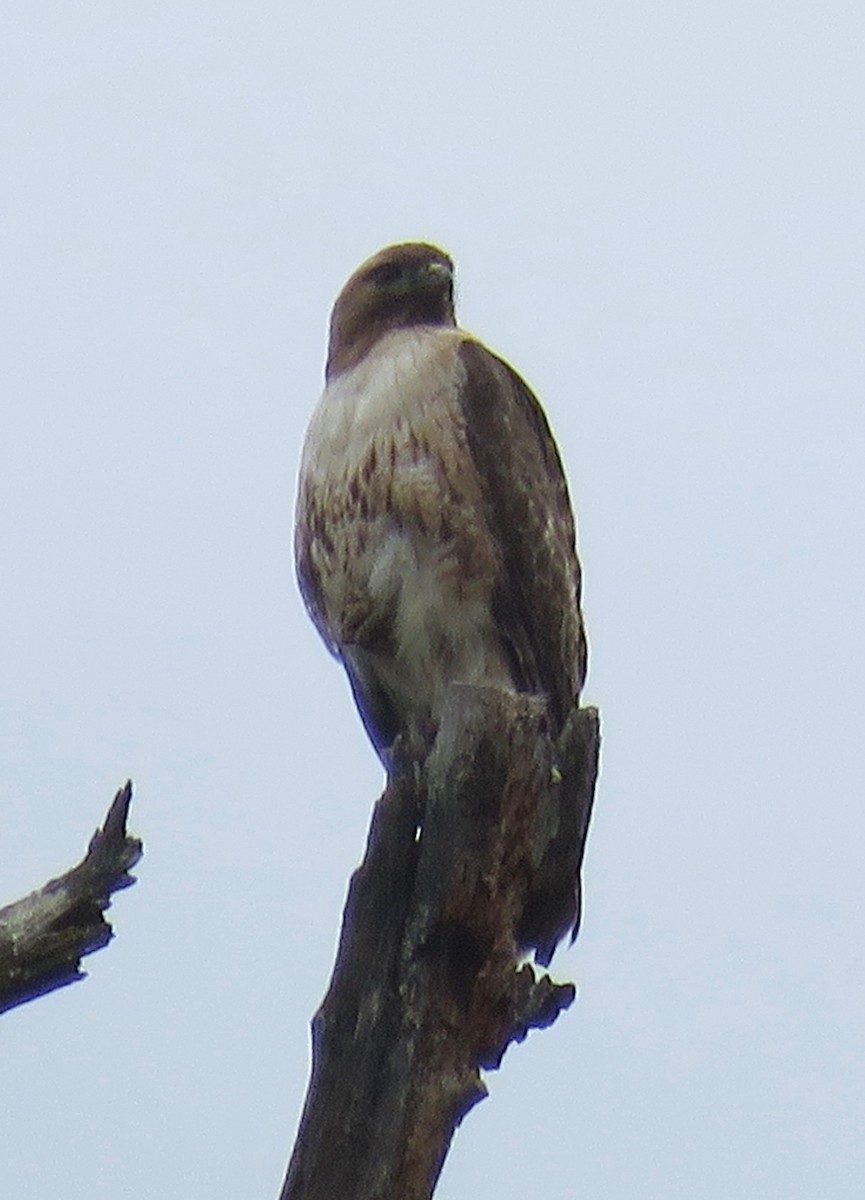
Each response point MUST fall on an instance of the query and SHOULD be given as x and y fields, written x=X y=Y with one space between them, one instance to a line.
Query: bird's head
x=400 y=287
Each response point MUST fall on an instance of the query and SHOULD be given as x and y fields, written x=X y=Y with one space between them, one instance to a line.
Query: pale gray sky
x=657 y=215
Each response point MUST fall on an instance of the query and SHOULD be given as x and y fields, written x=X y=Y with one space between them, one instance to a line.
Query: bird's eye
x=388 y=274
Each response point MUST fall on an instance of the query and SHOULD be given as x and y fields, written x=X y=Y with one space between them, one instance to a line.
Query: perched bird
x=434 y=536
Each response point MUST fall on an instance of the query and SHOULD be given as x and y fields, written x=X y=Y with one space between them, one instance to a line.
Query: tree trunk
x=473 y=856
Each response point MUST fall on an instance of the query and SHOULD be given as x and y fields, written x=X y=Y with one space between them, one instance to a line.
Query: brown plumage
x=434 y=537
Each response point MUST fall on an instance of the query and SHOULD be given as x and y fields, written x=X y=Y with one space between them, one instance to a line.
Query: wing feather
x=528 y=511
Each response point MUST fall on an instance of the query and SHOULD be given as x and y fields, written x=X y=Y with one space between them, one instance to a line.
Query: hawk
x=434 y=538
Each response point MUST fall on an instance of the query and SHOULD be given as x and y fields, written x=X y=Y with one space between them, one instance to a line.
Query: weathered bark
x=428 y=986
x=44 y=936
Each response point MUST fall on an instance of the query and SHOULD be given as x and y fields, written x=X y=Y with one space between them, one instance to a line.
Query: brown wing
x=537 y=607
x=528 y=510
